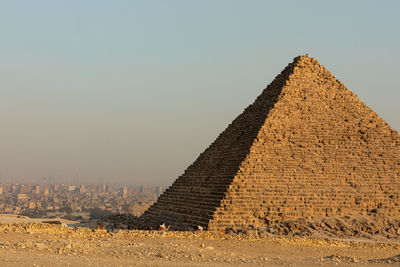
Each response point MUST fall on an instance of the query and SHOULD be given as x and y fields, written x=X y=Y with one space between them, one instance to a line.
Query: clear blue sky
x=133 y=91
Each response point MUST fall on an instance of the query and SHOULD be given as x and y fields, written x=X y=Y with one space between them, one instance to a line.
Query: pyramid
x=306 y=148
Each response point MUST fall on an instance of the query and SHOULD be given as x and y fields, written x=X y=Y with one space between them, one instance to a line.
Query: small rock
x=209 y=248
x=398 y=231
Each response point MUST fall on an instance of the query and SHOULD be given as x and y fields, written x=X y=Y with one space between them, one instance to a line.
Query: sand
x=32 y=244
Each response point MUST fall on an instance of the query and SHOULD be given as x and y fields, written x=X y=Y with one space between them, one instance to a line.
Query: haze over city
x=132 y=92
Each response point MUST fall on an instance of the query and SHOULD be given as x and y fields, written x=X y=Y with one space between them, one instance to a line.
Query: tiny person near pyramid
x=306 y=148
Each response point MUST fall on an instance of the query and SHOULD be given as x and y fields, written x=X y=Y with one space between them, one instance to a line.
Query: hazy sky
x=134 y=91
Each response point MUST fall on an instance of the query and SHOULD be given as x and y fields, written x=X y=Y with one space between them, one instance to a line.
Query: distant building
x=1 y=190
x=76 y=207
x=36 y=189
x=22 y=196
x=101 y=188
x=71 y=188
x=124 y=191
x=16 y=210
x=55 y=187
x=14 y=188
x=109 y=188
x=82 y=189
x=32 y=205
x=46 y=192
x=25 y=189
x=159 y=190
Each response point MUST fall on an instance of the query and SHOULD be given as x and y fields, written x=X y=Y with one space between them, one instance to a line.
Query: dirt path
x=52 y=245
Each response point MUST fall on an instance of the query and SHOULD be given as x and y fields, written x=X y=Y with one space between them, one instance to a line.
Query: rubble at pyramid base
x=374 y=226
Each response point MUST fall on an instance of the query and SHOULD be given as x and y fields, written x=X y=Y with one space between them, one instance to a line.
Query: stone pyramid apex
x=307 y=61
x=306 y=71
x=307 y=147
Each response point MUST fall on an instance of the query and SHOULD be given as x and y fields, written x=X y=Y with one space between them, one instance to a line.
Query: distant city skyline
x=40 y=200
x=131 y=92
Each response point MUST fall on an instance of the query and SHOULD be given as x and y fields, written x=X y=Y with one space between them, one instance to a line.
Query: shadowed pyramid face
x=306 y=148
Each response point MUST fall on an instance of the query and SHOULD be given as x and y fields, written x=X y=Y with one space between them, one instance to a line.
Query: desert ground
x=39 y=244
x=12 y=218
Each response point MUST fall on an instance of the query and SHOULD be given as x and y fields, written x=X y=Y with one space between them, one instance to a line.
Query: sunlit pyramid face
x=306 y=148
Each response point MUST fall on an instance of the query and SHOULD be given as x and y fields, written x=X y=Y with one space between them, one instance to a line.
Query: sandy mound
x=13 y=218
